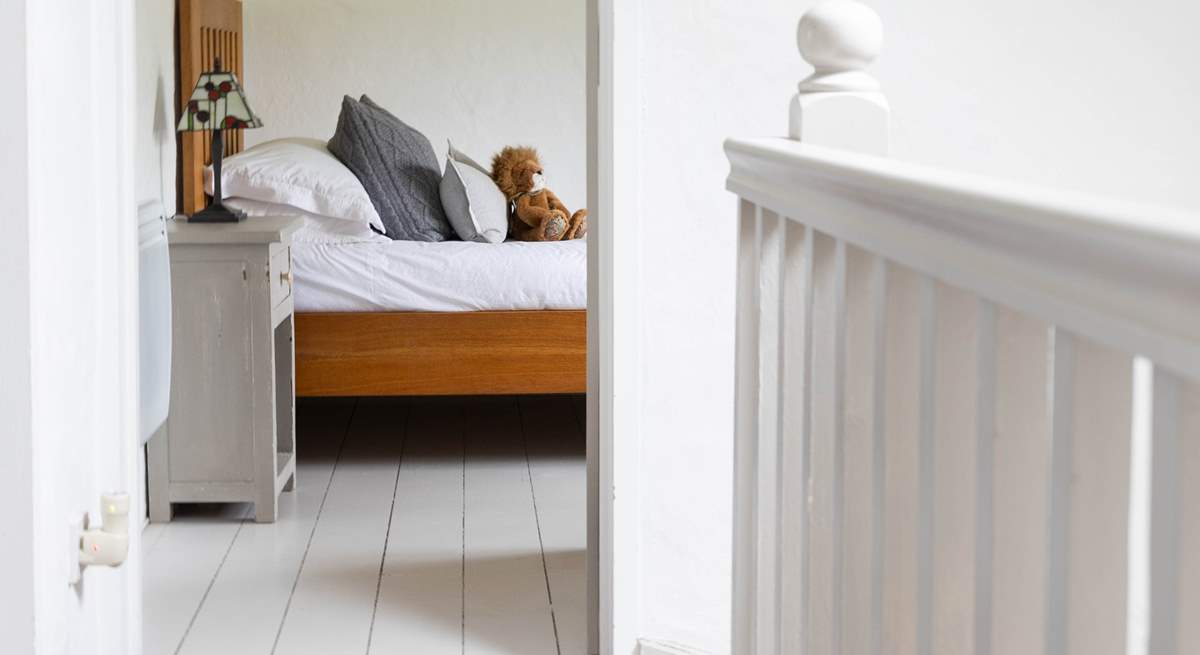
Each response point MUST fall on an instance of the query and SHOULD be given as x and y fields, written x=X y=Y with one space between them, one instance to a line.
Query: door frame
x=613 y=352
x=16 y=408
x=48 y=45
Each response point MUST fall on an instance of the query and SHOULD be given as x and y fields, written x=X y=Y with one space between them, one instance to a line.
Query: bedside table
x=231 y=433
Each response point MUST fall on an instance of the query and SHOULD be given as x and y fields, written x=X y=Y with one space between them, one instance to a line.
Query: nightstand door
x=211 y=419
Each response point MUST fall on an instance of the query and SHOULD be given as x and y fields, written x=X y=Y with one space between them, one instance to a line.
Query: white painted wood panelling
x=745 y=455
x=866 y=281
x=1021 y=443
x=1092 y=420
x=958 y=332
x=332 y=607
x=903 y=374
x=948 y=390
x=1175 y=517
x=794 y=397
x=767 y=476
x=420 y=608
x=826 y=446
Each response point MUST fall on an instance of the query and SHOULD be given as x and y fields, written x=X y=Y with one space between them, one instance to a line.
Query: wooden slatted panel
x=826 y=468
x=794 y=394
x=746 y=430
x=1020 y=478
x=207 y=29
x=865 y=297
x=904 y=363
x=959 y=332
x=771 y=236
x=1175 y=517
x=1091 y=406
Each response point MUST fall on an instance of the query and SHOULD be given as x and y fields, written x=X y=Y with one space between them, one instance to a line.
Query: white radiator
x=154 y=308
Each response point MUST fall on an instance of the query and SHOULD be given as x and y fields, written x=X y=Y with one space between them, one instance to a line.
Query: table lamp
x=217 y=104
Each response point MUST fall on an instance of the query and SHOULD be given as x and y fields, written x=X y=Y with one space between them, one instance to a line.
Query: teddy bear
x=534 y=212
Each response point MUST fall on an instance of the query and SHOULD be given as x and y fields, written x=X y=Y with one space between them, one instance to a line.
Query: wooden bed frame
x=384 y=353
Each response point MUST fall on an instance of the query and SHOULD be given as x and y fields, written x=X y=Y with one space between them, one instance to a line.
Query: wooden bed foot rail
x=441 y=354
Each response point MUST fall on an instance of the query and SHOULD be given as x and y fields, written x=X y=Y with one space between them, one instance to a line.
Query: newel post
x=840 y=104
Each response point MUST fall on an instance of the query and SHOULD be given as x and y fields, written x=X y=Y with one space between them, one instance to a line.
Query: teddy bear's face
x=529 y=176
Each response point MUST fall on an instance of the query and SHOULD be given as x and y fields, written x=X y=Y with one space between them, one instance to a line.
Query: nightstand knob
x=286 y=276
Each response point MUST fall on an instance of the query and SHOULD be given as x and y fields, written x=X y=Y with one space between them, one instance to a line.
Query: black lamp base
x=217 y=213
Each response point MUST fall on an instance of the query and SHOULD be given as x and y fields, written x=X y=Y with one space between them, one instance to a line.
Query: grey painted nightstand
x=231 y=434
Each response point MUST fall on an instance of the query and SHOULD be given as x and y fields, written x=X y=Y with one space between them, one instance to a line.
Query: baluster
x=1091 y=409
x=905 y=361
x=795 y=393
x=864 y=447
x=771 y=253
x=1175 y=517
x=1021 y=463
x=964 y=350
x=826 y=467
x=746 y=437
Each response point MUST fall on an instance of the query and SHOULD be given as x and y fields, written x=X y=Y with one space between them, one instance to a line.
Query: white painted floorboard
x=179 y=571
x=555 y=442
x=331 y=609
x=419 y=526
x=420 y=606
x=507 y=606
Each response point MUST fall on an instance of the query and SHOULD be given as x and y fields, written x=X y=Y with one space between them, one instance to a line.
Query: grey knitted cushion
x=397 y=167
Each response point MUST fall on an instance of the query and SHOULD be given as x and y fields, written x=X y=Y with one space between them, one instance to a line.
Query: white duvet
x=386 y=275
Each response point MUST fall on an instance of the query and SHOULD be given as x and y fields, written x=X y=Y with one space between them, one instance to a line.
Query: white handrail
x=938 y=432
x=1124 y=274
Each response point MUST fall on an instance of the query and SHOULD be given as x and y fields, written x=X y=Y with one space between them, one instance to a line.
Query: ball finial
x=840 y=38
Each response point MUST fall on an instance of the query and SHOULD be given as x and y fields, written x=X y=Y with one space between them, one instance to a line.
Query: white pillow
x=316 y=229
x=474 y=204
x=297 y=172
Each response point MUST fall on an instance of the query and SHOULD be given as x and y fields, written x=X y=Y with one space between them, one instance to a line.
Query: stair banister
x=938 y=434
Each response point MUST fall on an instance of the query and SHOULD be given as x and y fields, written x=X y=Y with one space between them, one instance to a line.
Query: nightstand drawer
x=280 y=275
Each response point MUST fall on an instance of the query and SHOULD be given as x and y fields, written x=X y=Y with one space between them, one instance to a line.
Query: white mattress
x=439 y=277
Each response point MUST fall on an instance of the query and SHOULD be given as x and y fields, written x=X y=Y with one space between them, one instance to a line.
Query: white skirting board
x=652 y=647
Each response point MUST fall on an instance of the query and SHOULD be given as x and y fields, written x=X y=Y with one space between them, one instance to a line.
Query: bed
x=434 y=319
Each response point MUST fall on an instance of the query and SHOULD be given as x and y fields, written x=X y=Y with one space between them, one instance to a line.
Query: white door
x=68 y=327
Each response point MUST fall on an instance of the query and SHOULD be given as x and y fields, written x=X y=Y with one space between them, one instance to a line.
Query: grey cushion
x=397 y=167
x=474 y=204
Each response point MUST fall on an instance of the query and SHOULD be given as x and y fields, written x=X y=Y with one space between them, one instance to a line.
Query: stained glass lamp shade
x=217 y=103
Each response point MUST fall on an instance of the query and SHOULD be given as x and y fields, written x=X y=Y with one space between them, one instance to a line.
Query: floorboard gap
x=387 y=535
x=538 y=522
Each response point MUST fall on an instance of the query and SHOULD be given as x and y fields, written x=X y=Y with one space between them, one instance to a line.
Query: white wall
x=1099 y=97
x=484 y=74
x=155 y=126
x=707 y=71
